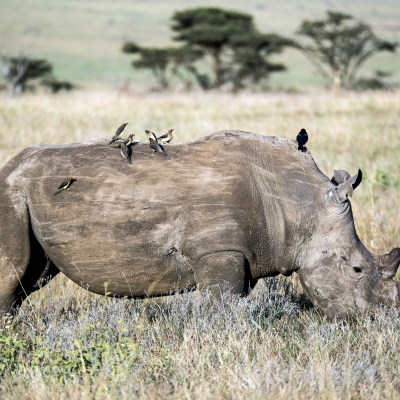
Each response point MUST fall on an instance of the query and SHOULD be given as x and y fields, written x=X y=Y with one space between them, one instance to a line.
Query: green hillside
x=83 y=38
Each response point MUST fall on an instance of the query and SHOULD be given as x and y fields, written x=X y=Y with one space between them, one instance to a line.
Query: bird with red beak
x=118 y=133
x=167 y=138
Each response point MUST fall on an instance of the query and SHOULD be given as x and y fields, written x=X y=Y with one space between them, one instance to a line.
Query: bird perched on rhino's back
x=126 y=153
x=118 y=133
x=64 y=185
x=156 y=147
x=127 y=141
x=167 y=138
x=302 y=138
x=151 y=135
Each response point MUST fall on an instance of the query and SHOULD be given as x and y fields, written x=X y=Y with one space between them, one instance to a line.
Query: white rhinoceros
x=232 y=207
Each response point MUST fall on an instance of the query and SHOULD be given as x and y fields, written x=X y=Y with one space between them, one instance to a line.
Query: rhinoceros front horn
x=388 y=263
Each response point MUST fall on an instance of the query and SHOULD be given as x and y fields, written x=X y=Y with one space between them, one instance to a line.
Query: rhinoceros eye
x=357 y=269
x=344 y=258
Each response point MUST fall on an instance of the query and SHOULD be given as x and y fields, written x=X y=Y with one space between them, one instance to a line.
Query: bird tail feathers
x=56 y=193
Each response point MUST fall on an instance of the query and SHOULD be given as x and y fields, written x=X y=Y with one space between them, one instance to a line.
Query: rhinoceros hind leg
x=22 y=273
x=219 y=272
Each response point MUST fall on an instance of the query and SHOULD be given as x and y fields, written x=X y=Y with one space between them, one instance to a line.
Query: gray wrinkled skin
x=231 y=207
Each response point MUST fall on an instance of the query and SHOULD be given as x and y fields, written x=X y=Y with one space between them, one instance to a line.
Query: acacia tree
x=155 y=59
x=18 y=71
x=340 y=46
x=238 y=52
x=250 y=57
x=210 y=29
x=163 y=62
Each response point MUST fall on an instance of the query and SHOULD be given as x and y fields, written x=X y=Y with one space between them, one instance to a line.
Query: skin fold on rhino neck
x=285 y=198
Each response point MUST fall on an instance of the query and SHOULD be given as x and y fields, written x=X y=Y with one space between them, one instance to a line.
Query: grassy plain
x=68 y=343
x=83 y=38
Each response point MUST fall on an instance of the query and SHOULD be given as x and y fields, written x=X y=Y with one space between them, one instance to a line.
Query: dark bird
x=151 y=135
x=167 y=138
x=156 y=147
x=118 y=133
x=302 y=139
x=65 y=185
x=126 y=153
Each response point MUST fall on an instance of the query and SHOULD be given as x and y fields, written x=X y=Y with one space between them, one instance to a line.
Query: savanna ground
x=68 y=343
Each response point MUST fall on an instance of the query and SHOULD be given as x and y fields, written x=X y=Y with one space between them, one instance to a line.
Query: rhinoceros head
x=337 y=271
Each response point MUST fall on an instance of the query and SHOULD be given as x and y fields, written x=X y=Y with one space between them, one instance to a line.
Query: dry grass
x=269 y=344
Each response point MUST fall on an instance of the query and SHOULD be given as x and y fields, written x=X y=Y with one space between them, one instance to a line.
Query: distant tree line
x=240 y=55
x=223 y=49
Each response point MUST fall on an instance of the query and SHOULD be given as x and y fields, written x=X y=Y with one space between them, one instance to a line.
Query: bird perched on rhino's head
x=156 y=147
x=302 y=139
x=118 y=133
x=151 y=135
x=167 y=138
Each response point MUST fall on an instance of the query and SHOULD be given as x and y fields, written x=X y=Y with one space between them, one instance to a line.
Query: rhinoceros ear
x=340 y=193
x=339 y=176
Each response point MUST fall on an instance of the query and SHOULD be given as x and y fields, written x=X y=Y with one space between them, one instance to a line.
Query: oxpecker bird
x=167 y=137
x=128 y=141
x=302 y=138
x=65 y=185
x=156 y=147
x=126 y=153
x=151 y=135
x=118 y=133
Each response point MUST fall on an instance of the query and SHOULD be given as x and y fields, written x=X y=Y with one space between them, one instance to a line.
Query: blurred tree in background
x=238 y=52
x=155 y=59
x=211 y=29
x=20 y=71
x=250 y=52
x=164 y=63
x=380 y=81
x=340 y=45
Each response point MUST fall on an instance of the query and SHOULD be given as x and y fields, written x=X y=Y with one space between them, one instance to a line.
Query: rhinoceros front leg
x=222 y=271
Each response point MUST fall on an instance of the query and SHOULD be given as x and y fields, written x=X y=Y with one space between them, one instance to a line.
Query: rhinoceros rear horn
x=388 y=263
x=340 y=176
x=346 y=187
